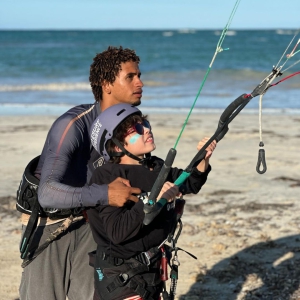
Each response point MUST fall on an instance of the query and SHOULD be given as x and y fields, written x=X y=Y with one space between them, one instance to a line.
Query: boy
x=122 y=135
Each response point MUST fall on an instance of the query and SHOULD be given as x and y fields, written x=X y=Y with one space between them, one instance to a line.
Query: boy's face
x=127 y=88
x=140 y=144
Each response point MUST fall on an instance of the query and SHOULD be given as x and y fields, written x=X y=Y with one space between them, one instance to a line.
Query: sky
x=148 y=14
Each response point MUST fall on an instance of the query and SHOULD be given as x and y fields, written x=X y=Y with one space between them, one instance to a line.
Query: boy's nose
x=146 y=129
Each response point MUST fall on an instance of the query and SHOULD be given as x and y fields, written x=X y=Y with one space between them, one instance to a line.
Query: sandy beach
x=243 y=227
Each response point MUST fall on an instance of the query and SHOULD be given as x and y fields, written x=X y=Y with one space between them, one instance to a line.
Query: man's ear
x=106 y=87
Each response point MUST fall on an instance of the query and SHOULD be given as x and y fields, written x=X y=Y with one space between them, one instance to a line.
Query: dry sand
x=243 y=227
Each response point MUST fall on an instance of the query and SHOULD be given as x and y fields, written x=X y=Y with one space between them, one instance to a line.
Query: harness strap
x=30 y=228
x=139 y=289
x=145 y=258
x=123 y=278
x=127 y=278
x=53 y=235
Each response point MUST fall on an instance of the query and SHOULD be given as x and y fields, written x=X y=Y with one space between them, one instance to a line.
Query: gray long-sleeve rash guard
x=68 y=160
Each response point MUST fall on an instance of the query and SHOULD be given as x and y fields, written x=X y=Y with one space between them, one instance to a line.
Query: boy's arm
x=203 y=165
x=122 y=224
x=119 y=224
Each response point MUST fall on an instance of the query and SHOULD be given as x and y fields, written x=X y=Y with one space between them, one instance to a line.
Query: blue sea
x=46 y=72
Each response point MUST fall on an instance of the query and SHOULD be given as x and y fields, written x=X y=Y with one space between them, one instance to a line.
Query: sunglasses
x=138 y=128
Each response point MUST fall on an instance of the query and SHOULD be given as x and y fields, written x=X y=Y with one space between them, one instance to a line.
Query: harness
x=27 y=203
x=118 y=277
x=144 y=274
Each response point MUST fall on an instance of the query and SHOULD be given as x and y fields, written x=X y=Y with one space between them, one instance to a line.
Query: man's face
x=127 y=88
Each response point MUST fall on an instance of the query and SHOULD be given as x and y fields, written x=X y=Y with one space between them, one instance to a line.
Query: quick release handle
x=261 y=166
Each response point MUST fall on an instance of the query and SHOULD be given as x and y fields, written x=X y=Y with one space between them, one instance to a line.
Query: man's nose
x=139 y=82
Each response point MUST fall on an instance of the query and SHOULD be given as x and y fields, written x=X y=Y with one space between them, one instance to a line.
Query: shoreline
x=9 y=110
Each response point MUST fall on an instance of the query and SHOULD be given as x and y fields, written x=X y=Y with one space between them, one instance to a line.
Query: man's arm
x=63 y=172
x=63 y=176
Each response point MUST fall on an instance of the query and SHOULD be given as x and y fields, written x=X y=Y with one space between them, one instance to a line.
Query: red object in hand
x=163 y=265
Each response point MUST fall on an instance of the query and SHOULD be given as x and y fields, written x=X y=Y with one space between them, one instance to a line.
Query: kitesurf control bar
x=151 y=211
x=233 y=109
x=161 y=178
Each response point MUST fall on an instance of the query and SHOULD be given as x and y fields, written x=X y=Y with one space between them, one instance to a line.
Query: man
x=64 y=169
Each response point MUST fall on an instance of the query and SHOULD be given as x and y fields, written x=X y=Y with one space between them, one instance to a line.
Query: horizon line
x=142 y=29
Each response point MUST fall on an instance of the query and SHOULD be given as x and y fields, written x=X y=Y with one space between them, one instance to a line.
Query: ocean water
x=46 y=72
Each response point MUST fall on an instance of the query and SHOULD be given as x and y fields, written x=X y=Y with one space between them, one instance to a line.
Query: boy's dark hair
x=106 y=67
x=119 y=134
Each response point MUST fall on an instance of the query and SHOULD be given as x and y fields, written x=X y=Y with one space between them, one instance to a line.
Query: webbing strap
x=147 y=256
x=123 y=278
x=53 y=235
x=139 y=289
x=30 y=228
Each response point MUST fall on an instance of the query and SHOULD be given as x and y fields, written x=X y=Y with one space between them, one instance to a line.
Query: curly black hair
x=120 y=132
x=106 y=67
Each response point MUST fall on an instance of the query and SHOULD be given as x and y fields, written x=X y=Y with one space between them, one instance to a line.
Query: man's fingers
x=124 y=181
x=133 y=198
x=120 y=191
x=135 y=190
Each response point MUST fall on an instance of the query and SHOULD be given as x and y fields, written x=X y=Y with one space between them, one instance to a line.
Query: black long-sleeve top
x=120 y=231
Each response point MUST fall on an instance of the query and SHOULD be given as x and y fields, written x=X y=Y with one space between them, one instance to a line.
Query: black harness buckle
x=145 y=258
x=123 y=277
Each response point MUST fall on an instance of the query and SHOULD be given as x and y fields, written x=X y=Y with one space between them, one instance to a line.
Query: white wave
x=55 y=86
x=284 y=31
x=269 y=111
x=167 y=33
x=59 y=108
x=39 y=105
x=8 y=109
x=229 y=32
x=186 y=31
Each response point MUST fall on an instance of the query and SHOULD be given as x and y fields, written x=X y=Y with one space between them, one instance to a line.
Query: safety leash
x=261 y=166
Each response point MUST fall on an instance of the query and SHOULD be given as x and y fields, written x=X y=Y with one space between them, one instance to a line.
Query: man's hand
x=169 y=191
x=120 y=191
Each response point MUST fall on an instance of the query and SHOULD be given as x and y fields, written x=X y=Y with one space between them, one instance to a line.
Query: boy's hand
x=210 y=149
x=169 y=192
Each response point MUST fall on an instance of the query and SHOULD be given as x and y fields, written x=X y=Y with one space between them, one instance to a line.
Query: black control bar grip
x=161 y=178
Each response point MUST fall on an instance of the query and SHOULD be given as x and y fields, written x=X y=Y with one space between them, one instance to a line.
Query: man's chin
x=137 y=103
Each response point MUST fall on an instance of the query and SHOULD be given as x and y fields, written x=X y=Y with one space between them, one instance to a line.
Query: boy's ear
x=117 y=149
